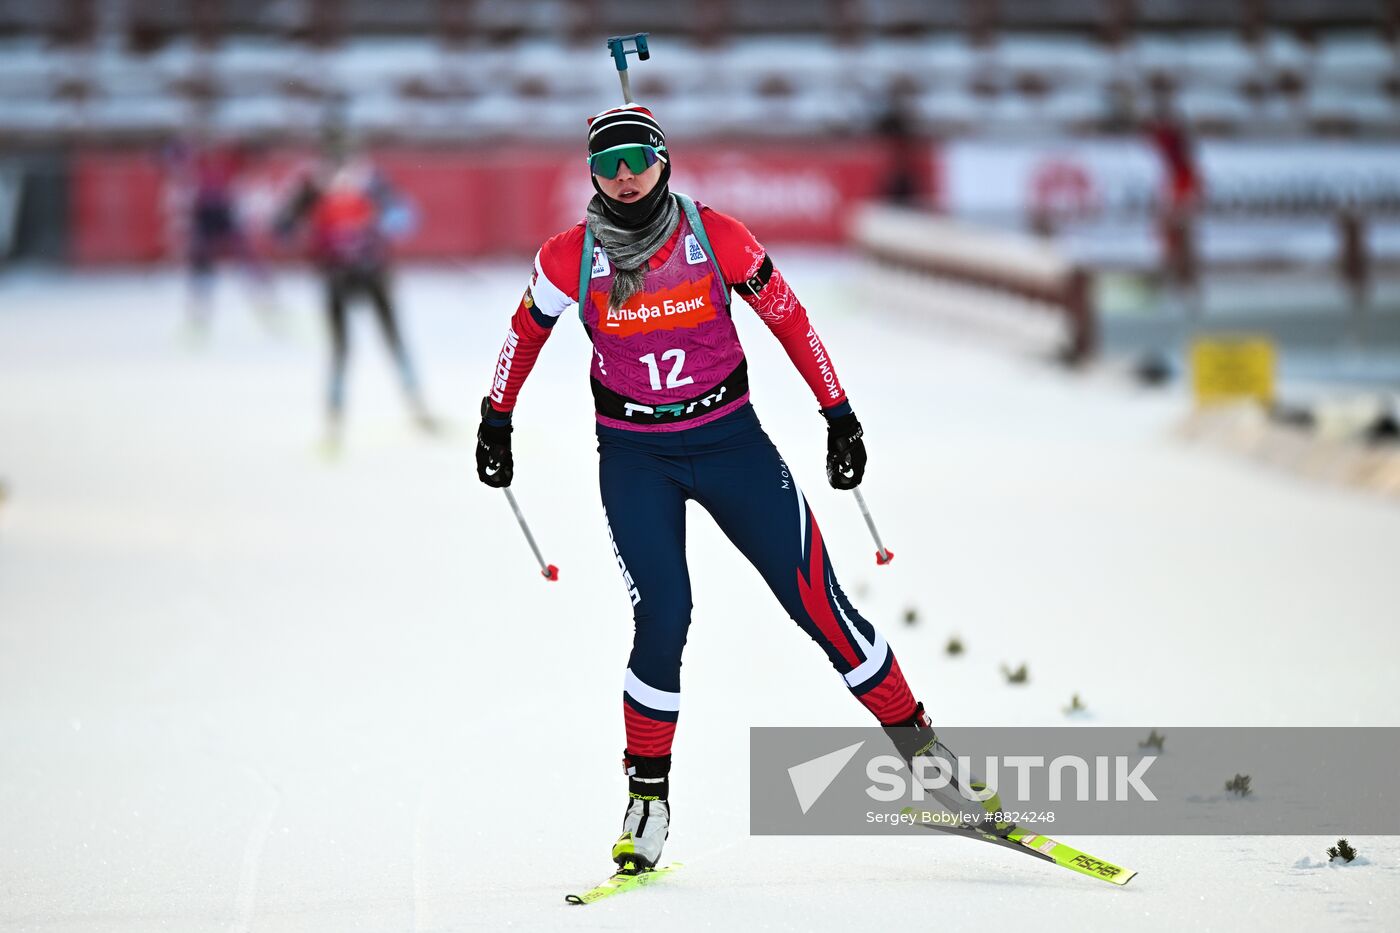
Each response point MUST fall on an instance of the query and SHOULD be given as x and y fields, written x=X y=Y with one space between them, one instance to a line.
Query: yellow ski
x=1042 y=847
x=624 y=880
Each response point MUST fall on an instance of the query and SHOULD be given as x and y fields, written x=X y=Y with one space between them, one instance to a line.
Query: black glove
x=494 y=465
x=845 y=452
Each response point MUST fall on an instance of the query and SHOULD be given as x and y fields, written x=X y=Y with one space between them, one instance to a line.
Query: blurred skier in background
x=206 y=177
x=350 y=215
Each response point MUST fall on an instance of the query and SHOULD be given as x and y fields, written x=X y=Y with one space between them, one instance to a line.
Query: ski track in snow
x=190 y=594
x=246 y=899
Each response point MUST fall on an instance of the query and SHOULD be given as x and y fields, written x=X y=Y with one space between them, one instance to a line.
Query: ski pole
x=882 y=556
x=549 y=571
x=617 y=45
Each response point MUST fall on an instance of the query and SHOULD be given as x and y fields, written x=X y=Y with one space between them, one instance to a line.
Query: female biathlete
x=670 y=386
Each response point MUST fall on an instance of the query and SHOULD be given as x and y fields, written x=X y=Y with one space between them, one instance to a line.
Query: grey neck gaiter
x=629 y=248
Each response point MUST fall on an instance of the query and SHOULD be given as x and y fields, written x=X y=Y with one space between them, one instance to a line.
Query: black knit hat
x=620 y=126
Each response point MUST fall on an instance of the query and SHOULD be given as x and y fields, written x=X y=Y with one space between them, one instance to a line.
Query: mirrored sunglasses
x=638 y=157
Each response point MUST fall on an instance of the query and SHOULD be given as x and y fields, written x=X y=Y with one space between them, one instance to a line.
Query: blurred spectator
x=1354 y=257
x=1181 y=194
x=895 y=129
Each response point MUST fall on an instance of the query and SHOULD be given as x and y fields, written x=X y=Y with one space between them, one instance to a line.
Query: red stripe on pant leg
x=890 y=701
x=647 y=737
x=812 y=591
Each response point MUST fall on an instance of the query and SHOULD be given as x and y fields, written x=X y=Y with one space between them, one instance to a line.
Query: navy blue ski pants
x=731 y=468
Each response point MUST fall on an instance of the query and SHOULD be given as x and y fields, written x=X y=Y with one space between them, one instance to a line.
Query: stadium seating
x=491 y=69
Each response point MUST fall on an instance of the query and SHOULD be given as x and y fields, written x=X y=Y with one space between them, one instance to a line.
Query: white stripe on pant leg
x=871 y=665
x=801 y=521
x=866 y=648
x=649 y=696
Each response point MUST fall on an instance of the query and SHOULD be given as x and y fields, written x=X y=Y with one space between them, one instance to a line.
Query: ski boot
x=920 y=748
x=647 y=820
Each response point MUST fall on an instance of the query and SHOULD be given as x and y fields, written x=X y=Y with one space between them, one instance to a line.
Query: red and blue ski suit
x=670 y=388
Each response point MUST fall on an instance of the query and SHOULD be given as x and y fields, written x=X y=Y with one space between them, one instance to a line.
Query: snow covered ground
x=247 y=688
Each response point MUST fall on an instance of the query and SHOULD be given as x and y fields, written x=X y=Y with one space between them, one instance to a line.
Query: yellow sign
x=1226 y=369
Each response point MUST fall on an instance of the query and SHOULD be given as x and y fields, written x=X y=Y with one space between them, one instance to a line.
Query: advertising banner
x=131 y=207
x=116 y=212
x=1262 y=201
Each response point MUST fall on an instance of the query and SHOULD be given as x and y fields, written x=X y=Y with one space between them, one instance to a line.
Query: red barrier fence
x=126 y=206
